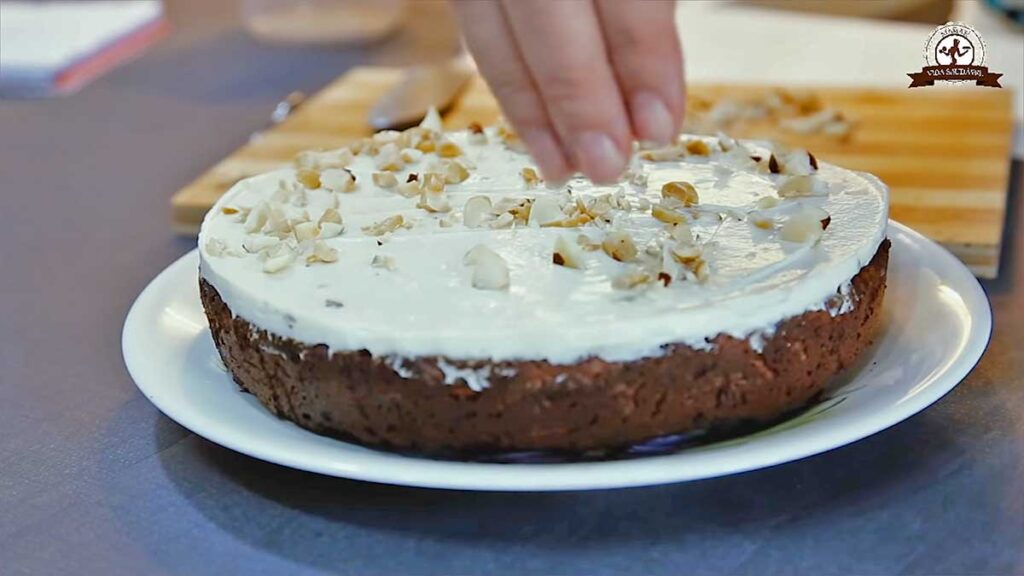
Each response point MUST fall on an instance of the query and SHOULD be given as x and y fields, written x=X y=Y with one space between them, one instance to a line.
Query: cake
x=426 y=291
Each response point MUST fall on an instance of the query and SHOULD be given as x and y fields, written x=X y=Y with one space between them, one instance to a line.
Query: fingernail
x=651 y=118
x=546 y=152
x=596 y=155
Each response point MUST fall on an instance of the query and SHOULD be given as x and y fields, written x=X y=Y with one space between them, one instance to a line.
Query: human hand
x=579 y=80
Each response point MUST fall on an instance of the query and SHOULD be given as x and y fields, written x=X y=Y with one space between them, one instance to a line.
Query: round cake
x=427 y=291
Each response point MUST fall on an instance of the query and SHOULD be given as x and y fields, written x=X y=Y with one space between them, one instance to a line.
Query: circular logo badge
x=955 y=44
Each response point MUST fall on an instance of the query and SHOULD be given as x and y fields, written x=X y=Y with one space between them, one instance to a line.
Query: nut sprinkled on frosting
x=667 y=215
x=806 y=226
x=619 y=245
x=476 y=210
x=632 y=279
x=385 y=179
x=383 y=261
x=322 y=253
x=490 y=272
x=389 y=224
x=338 y=180
x=530 y=176
x=410 y=189
x=684 y=192
x=567 y=254
x=434 y=201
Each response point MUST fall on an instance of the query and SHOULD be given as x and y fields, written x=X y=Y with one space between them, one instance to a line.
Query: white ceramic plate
x=937 y=325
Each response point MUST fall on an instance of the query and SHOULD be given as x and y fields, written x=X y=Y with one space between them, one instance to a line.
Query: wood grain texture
x=944 y=152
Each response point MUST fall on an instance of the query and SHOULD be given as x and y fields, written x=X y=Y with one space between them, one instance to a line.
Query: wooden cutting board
x=945 y=153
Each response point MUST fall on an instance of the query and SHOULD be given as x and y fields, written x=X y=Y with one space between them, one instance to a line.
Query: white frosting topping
x=423 y=302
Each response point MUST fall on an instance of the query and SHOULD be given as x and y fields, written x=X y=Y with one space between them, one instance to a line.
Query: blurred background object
x=57 y=47
x=1012 y=9
x=322 y=21
x=925 y=11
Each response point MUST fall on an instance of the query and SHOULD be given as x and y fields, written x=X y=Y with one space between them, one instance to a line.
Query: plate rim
x=580 y=475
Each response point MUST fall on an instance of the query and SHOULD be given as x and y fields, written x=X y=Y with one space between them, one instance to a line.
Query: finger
x=565 y=54
x=490 y=40
x=644 y=50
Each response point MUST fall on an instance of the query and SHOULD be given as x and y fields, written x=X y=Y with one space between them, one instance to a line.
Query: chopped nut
x=567 y=254
x=476 y=211
x=322 y=253
x=681 y=191
x=667 y=215
x=509 y=137
x=331 y=229
x=385 y=179
x=330 y=215
x=477 y=136
x=358 y=146
x=587 y=243
x=256 y=219
x=662 y=154
x=504 y=220
x=434 y=201
x=490 y=272
x=294 y=221
x=388 y=159
x=283 y=193
x=280 y=262
x=619 y=245
x=306 y=231
x=686 y=254
x=521 y=209
x=338 y=180
x=216 y=247
x=257 y=244
x=805 y=226
x=681 y=233
x=544 y=211
x=321 y=159
x=426 y=145
x=389 y=224
x=455 y=172
x=433 y=182
x=309 y=178
x=725 y=143
x=410 y=155
x=665 y=278
x=799 y=186
x=383 y=261
x=761 y=220
x=449 y=149
x=796 y=162
x=300 y=198
x=385 y=137
x=631 y=279
x=530 y=176
x=698 y=147
x=409 y=189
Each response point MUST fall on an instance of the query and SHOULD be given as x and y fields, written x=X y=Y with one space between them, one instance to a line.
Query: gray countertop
x=93 y=480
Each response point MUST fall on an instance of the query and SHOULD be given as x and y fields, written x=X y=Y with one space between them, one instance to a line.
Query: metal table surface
x=93 y=480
